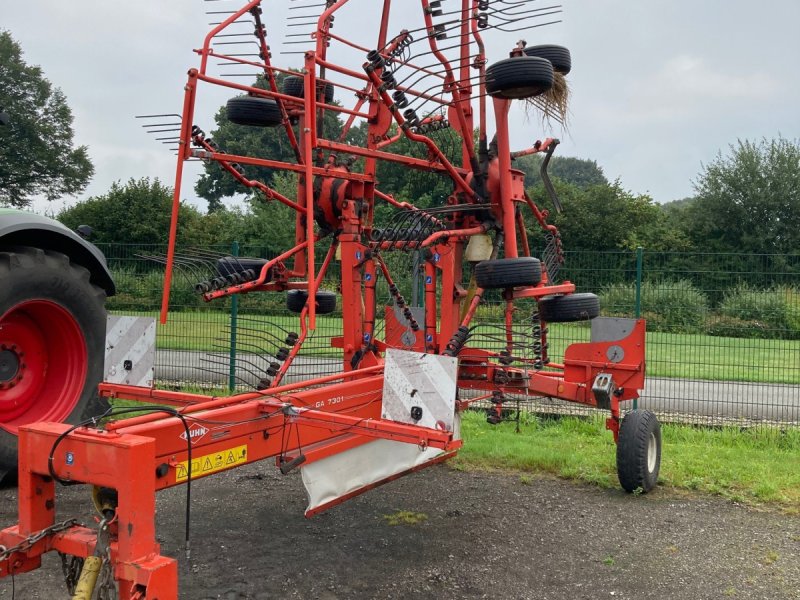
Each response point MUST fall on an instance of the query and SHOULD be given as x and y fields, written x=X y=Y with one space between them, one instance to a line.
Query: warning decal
x=211 y=463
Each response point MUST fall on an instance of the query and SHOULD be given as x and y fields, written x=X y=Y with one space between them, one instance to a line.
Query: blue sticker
x=367 y=337
x=358 y=255
x=436 y=257
x=70 y=458
x=368 y=276
x=428 y=280
x=429 y=338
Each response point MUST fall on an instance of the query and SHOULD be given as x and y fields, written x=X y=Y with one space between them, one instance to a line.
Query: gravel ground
x=475 y=535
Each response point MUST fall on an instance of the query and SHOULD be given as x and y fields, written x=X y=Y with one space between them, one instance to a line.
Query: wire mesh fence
x=723 y=342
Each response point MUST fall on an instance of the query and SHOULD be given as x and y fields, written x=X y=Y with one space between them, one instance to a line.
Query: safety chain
x=106 y=586
x=71 y=566
x=34 y=538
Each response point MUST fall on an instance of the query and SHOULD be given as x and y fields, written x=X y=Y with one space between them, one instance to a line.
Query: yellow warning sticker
x=211 y=463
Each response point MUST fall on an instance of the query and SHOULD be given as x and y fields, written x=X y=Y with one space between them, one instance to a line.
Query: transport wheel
x=295 y=86
x=565 y=309
x=257 y=112
x=228 y=265
x=639 y=451
x=559 y=56
x=508 y=272
x=52 y=344
x=519 y=77
x=296 y=301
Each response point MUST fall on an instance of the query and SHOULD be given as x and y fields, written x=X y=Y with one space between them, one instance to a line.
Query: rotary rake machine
x=392 y=405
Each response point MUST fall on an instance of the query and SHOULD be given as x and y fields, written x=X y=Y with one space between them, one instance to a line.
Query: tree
x=749 y=200
x=138 y=212
x=601 y=217
x=580 y=172
x=259 y=142
x=37 y=154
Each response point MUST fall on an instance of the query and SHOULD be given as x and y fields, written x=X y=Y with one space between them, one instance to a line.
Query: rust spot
x=130 y=528
x=49 y=504
x=39 y=491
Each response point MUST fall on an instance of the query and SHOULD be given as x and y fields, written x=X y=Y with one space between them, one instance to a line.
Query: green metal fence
x=723 y=341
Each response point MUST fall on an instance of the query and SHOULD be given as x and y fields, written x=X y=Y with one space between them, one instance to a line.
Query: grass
x=675 y=355
x=752 y=467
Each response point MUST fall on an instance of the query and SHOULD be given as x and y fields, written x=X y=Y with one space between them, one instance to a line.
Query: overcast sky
x=658 y=86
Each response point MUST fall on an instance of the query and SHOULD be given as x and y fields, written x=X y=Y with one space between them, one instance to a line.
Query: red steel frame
x=324 y=416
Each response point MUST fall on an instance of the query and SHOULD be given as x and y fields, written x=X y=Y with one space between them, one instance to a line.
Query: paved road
x=726 y=400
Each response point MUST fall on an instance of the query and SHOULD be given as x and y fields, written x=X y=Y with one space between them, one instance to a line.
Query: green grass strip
x=752 y=466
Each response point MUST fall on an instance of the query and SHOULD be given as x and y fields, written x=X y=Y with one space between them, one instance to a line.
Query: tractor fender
x=22 y=228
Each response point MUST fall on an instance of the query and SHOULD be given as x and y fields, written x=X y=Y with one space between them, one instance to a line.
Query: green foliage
x=673 y=306
x=724 y=326
x=37 y=154
x=749 y=200
x=260 y=142
x=601 y=217
x=580 y=172
x=138 y=212
x=772 y=312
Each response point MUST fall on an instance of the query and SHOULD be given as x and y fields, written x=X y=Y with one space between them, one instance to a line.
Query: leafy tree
x=37 y=153
x=135 y=213
x=601 y=217
x=749 y=200
x=260 y=142
x=580 y=172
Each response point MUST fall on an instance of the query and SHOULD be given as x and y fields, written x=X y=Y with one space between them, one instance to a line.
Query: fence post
x=233 y=323
x=637 y=308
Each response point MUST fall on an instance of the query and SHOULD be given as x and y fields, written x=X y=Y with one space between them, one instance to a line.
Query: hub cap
x=652 y=453
x=43 y=364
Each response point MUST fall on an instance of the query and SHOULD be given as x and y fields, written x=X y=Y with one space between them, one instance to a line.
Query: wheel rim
x=652 y=453
x=43 y=364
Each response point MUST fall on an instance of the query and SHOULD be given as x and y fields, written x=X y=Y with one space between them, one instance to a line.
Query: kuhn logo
x=195 y=433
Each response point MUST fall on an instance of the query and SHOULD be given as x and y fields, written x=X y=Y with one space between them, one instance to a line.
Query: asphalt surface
x=727 y=401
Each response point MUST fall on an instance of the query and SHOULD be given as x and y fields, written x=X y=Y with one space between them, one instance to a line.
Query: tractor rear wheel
x=519 y=77
x=565 y=309
x=296 y=301
x=253 y=111
x=52 y=344
x=639 y=451
x=508 y=272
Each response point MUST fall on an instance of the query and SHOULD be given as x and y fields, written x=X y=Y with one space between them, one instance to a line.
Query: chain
x=31 y=540
x=106 y=586
x=71 y=566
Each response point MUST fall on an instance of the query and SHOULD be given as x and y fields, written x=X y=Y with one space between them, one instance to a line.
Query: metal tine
x=174 y=138
x=263 y=331
x=158 y=116
x=267 y=355
x=225 y=362
x=250 y=334
x=146 y=125
x=233 y=35
x=236 y=22
x=239 y=42
x=526 y=27
x=220 y=12
x=302 y=17
x=259 y=370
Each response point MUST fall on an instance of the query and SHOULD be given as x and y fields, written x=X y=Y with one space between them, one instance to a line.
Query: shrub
x=777 y=309
x=724 y=326
x=676 y=306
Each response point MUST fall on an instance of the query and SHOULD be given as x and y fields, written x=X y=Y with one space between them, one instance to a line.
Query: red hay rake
x=411 y=85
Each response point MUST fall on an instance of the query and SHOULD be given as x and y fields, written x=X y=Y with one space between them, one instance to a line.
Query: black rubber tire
x=508 y=272
x=639 y=451
x=559 y=56
x=33 y=274
x=519 y=77
x=228 y=265
x=295 y=86
x=566 y=309
x=296 y=301
x=253 y=111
